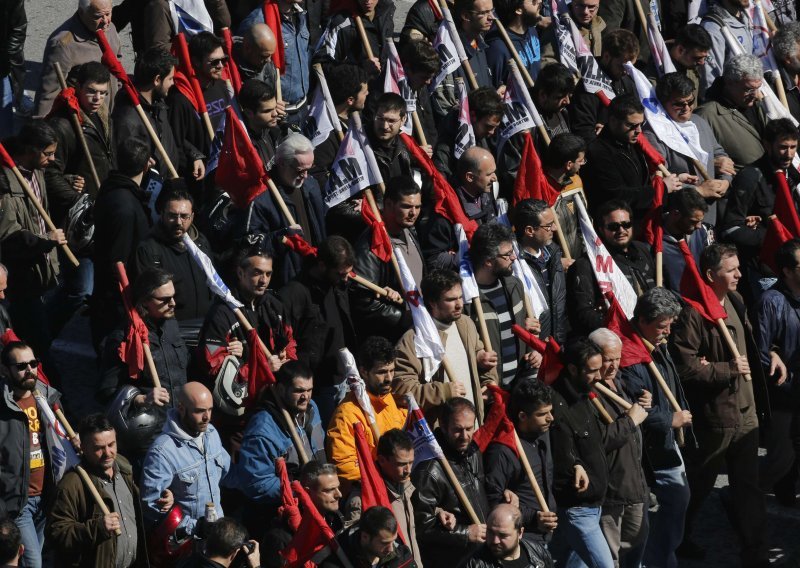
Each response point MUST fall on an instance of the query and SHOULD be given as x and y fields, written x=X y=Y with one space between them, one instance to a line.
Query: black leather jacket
x=538 y=557
x=439 y=546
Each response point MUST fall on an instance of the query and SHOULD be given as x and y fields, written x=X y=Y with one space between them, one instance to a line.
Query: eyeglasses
x=32 y=364
x=218 y=62
x=163 y=299
x=548 y=227
x=614 y=227
x=684 y=104
x=389 y=121
x=506 y=255
x=181 y=216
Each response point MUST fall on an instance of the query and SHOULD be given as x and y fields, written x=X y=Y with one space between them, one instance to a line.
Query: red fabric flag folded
x=109 y=59
x=299 y=245
x=784 y=205
x=66 y=99
x=497 y=427
x=445 y=200
x=381 y=243
x=633 y=348
x=775 y=236
x=131 y=350
x=5 y=159
x=185 y=77
x=651 y=155
x=551 y=354
x=233 y=69
x=652 y=225
x=531 y=182
x=312 y=535
x=289 y=508
x=259 y=374
x=240 y=171
x=272 y=17
x=373 y=488
x=696 y=292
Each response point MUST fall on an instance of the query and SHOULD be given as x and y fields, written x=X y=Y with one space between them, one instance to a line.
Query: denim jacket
x=192 y=470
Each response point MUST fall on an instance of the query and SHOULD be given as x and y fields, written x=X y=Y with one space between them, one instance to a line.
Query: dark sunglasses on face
x=33 y=364
x=614 y=227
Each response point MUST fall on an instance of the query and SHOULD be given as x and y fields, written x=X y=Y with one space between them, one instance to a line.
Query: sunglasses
x=217 y=62
x=33 y=364
x=614 y=227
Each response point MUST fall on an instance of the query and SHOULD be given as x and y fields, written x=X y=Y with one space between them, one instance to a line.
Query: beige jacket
x=408 y=372
x=591 y=35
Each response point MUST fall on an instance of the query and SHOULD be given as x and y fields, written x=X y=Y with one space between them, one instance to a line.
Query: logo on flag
x=517 y=116
x=609 y=276
x=62 y=455
x=425 y=445
x=397 y=82
x=319 y=123
x=190 y=17
x=465 y=135
x=448 y=54
x=348 y=173
x=594 y=79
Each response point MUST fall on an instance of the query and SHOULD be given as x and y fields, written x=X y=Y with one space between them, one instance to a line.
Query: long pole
x=514 y=53
x=76 y=126
x=418 y=128
x=289 y=422
x=731 y=343
x=526 y=465
x=462 y=497
x=656 y=374
x=122 y=275
x=82 y=472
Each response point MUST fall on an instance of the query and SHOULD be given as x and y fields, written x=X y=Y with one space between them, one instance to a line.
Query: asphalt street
x=79 y=367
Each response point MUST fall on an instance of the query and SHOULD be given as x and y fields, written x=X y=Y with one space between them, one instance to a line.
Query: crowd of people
x=273 y=340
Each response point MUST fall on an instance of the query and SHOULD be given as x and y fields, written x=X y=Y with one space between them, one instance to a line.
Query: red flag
x=299 y=245
x=497 y=427
x=551 y=354
x=233 y=70
x=312 y=535
x=272 y=17
x=652 y=226
x=240 y=171
x=784 y=205
x=185 y=77
x=5 y=159
x=633 y=348
x=373 y=488
x=289 y=508
x=531 y=181
x=446 y=202
x=696 y=292
x=775 y=236
x=381 y=243
x=66 y=99
x=259 y=374
x=131 y=350
x=109 y=59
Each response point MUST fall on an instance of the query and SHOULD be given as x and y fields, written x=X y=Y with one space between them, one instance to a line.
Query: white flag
x=357 y=386
x=567 y=55
x=517 y=115
x=448 y=54
x=427 y=343
x=395 y=81
x=190 y=17
x=658 y=48
x=594 y=79
x=762 y=44
x=696 y=10
x=425 y=445
x=469 y=286
x=319 y=123
x=465 y=136
x=62 y=455
x=520 y=267
x=349 y=173
x=212 y=278
x=684 y=139
x=608 y=274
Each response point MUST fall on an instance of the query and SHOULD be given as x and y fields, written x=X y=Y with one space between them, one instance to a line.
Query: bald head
x=477 y=170
x=505 y=513
x=503 y=532
x=258 y=44
x=195 y=404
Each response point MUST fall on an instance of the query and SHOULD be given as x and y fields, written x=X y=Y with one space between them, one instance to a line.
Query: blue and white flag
x=425 y=445
x=469 y=286
x=212 y=278
x=190 y=17
x=63 y=456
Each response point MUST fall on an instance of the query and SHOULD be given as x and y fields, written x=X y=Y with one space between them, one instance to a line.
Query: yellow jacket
x=341 y=445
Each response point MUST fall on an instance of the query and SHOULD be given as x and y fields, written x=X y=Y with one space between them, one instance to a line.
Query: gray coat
x=70 y=44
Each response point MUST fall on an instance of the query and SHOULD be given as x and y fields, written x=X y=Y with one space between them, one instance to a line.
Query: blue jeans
x=582 y=535
x=6 y=107
x=666 y=525
x=31 y=522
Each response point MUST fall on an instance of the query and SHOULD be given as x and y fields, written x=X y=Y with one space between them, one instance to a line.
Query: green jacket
x=29 y=255
x=75 y=523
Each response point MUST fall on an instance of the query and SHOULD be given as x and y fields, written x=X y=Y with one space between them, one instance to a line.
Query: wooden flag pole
x=656 y=374
x=323 y=83
x=726 y=333
x=526 y=464
x=462 y=497
x=418 y=128
x=76 y=126
x=362 y=33
x=642 y=18
x=608 y=393
x=288 y=420
x=71 y=435
x=276 y=195
x=600 y=408
x=514 y=53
